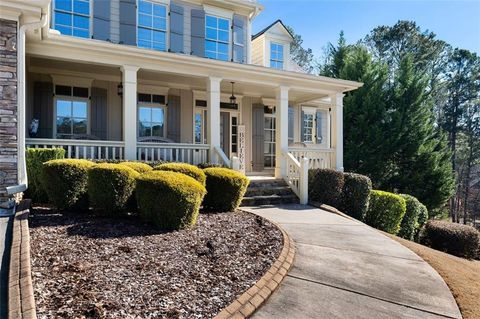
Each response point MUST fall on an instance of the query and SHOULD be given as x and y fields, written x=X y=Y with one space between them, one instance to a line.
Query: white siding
x=115 y=21
x=258 y=51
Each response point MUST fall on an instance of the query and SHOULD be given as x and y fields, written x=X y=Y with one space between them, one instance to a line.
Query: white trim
x=72 y=81
x=152 y=89
x=219 y=12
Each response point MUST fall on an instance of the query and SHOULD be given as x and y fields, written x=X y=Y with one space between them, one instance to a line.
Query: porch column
x=281 y=131
x=213 y=116
x=129 y=79
x=337 y=130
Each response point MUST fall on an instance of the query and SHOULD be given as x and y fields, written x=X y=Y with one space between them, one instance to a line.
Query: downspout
x=22 y=166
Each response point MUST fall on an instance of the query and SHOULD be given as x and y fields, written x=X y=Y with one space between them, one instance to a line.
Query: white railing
x=83 y=149
x=173 y=152
x=297 y=176
x=223 y=159
x=317 y=157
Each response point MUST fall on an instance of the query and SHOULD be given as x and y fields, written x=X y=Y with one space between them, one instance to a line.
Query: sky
x=320 y=21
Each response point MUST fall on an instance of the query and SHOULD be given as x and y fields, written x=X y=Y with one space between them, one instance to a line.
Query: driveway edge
x=251 y=300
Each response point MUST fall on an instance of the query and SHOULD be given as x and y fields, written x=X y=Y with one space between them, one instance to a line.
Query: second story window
x=217 y=38
x=72 y=17
x=276 y=56
x=152 y=25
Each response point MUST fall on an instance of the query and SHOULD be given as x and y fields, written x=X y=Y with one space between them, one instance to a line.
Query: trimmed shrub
x=456 y=239
x=110 y=186
x=355 y=195
x=35 y=157
x=385 y=211
x=187 y=169
x=65 y=182
x=138 y=166
x=209 y=165
x=325 y=186
x=169 y=200
x=409 y=223
x=225 y=189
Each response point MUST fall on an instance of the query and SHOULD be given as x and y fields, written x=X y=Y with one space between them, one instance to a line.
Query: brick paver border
x=251 y=300
x=21 y=304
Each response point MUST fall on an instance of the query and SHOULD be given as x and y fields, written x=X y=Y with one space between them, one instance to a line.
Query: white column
x=213 y=115
x=249 y=41
x=337 y=129
x=129 y=79
x=281 y=131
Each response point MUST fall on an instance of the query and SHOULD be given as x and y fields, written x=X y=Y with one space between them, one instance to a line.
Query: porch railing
x=317 y=157
x=173 y=152
x=82 y=149
x=297 y=176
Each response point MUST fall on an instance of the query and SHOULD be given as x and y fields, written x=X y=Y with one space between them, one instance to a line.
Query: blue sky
x=320 y=21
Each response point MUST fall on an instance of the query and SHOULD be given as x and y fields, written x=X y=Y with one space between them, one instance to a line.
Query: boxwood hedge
x=225 y=189
x=325 y=186
x=355 y=195
x=138 y=166
x=410 y=224
x=187 y=169
x=385 y=211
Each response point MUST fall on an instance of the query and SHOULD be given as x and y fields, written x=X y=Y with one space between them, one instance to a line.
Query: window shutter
x=176 y=28
x=101 y=20
x=128 y=22
x=238 y=39
x=43 y=108
x=173 y=118
x=302 y=127
x=198 y=33
x=98 y=119
x=318 y=120
x=291 y=121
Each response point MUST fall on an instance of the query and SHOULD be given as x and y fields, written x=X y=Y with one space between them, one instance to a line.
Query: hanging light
x=120 y=89
x=233 y=98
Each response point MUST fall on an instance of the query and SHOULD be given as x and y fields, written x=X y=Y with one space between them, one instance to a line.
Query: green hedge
x=210 y=165
x=110 y=187
x=169 y=200
x=138 y=166
x=410 y=224
x=35 y=157
x=355 y=195
x=456 y=239
x=385 y=211
x=187 y=169
x=225 y=189
x=65 y=182
x=325 y=186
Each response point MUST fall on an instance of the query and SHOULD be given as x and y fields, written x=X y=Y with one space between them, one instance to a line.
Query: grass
x=461 y=275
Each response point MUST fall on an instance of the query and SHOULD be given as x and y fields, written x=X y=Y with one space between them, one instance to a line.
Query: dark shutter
x=101 y=20
x=176 y=28
x=302 y=127
x=258 y=140
x=43 y=108
x=291 y=124
x=318 y=120
x=98 y=126
x=173 y=118
x=128 y=22
x=198 y=33
x=238 y=39
x=225 y=117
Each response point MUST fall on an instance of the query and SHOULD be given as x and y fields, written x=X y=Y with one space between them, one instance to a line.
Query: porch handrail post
x=213 y=116
x=281 y=131
x=337 y=107
x=303 y=181
x=129 y=79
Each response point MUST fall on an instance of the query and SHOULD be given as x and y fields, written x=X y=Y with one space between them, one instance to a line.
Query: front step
x=268 y=191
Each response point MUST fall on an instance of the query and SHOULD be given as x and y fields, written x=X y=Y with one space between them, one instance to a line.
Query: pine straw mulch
x=91 y=267
x=461 y=275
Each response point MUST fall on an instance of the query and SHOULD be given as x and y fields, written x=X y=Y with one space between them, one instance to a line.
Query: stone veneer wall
x=8 y=105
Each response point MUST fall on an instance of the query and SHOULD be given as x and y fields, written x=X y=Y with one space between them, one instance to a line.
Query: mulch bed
x=92 y=267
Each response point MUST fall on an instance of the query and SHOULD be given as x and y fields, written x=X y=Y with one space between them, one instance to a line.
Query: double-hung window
x=152 y=25
x=71 y=111
x=151 y=115
x=72 y=17
x=308 y=125
x=217 y=38
x=276 y=56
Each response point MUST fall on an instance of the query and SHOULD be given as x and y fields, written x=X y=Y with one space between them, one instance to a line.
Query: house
x=174 y=80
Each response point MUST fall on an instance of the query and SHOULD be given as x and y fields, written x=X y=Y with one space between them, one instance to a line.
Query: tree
x=335 y=57
x=301 y=56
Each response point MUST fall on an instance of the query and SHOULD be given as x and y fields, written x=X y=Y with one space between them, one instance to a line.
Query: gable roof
x=269 y=27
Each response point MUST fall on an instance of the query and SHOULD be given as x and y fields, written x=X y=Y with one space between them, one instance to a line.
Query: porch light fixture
x=233 y=98
x=120 y=89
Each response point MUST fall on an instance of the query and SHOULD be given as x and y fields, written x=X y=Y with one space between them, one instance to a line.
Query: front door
x=258 y=132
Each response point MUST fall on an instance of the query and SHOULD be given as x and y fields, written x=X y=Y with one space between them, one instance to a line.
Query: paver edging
x=21 y=303
x=251 y=300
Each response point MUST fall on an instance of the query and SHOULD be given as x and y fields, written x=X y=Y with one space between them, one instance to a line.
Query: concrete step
x=269 y=200
x=267 y=183
x=271 y=190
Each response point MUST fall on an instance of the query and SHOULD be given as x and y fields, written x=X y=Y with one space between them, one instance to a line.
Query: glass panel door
x=269 y=141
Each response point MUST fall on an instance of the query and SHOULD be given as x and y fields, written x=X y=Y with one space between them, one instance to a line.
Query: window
x=200 y=127
x=217 y=38
x=276 y=56
x=72 y=17
x=308 y=119
x=234 y=134
x=151 y=121
x=71 y=109
x=152 y=25
x=269 y=139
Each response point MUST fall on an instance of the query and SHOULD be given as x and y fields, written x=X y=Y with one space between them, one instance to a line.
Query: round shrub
x=456 y=239
x=35 y=157
x=225 y=189
x=110 y=186
x=138 y=166
x=65 y=182
x=325 y=186
x=209 y=165
x=409 y=223
x=169 y=200
x=385 y=211
x=187 y=169
x=356 y=195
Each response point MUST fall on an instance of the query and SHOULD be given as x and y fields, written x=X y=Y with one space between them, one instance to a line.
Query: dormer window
x=276 y=56
x=72 y=17
x=152 y=25
x=217 y=38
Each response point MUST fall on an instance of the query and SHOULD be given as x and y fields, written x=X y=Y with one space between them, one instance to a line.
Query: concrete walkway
x=345 y=269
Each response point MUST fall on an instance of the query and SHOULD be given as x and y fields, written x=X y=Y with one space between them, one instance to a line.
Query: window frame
x=203 y=133
x=217 y=41
x=312 y=112
x=72 y=13
x=282 y=61
x=165 y=4
x=71 y=99
x=152 y=106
